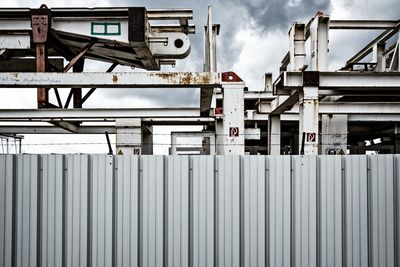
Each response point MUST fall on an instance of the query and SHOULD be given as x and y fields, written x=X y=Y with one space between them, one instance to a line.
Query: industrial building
x=277 y=177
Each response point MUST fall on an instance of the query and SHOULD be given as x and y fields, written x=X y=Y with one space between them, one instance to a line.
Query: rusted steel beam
x=40 y=27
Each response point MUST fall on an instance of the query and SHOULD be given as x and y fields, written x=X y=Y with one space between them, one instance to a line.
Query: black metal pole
x=110 y=150
x=303 y=139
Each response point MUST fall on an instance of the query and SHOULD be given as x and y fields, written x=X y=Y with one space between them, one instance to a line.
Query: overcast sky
x=252 y=41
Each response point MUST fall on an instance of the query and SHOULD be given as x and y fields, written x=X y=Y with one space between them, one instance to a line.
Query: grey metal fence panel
x=101 y=209
x=6 y=202
x=178 y=211
x=381 y=208
x=304 y=205
x=80 y=210
x=76 y=210
x=356 y=211
x=51 y=200
x=228 y=210
x=253 y=182
x=397 y=208
x=279 y=210
x=26 y=210
x=202 y=211
x=127 y=211
x=152 y=211
x=330 y=210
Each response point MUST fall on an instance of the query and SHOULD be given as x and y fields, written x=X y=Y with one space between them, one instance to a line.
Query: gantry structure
x=308 y=109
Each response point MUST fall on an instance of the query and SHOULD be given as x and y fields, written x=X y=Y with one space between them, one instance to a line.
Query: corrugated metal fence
x=101 y=210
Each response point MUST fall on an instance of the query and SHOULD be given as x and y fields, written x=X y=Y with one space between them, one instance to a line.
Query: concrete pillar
x=334 y=134
x=297 y=47
x=379 y=57
x=308 y=120
x=128 y=136
x=319 y=33
x=274 y=134
x=231 y=139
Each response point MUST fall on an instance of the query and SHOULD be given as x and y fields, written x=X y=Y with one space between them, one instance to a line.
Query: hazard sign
x=233 y=131
x=311 y=137
x=120 y=152
x=136 y=151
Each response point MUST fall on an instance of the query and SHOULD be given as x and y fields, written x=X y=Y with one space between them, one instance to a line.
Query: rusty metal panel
x=330 y=210
x=177 y=214
x=76 y=210
x=228 y=211
x=304 y=211
x=381 y=210
x=51 y=201
x=152 y=211
x=26 y=210
x=356 y=211
x=253 y=182
x=127 y=211
x=279 y=210
x=101 y=209
x=202 y=187
x=7 y=173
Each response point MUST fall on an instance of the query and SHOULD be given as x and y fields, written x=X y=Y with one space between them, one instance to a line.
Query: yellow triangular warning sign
x=341 y=152
x=120 y=152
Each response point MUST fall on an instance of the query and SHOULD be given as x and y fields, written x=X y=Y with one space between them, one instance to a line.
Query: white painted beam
x=110 y=80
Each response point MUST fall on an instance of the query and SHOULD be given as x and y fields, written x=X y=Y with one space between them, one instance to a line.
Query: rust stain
x=187 y=78
x=115 y=78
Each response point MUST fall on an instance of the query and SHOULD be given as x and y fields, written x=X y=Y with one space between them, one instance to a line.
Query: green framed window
x=105 y=28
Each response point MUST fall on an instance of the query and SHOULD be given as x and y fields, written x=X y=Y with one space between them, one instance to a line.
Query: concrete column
x=334 y=134
x=308 y=120
x=232 y=137
x=297 y=46
x=379 y=57
x=128 y=136
x=319 y=33
x=274 y=134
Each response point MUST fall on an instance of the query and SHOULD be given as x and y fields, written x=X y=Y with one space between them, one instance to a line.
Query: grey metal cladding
x=381 y=210
x=152 y=211
x=330 y=199
x=51 y=200
x=76 y=210
x=104 y=210
x=26 y=210
x=7 y=173
x=253 y=197
x=177 y=218
x=101 y=214
x=397 y=208
x=304 y=211
x=356 y=211
x=126 y=211
x=202 y=211
x=279 y=210
x=228 y=211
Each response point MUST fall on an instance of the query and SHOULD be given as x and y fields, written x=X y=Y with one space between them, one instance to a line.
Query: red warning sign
x=311 y=138
x=233 y=131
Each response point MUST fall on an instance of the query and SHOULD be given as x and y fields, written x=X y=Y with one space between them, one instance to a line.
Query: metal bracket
x=40 y=19
x=230 y=76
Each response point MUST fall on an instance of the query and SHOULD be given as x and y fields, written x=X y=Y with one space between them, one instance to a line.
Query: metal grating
x=103 y=210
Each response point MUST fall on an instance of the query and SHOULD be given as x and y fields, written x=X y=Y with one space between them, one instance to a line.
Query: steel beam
x=110 y=80
x=383 y=37
x=29 y=129
x=341 y=83
x=362 y=24
x=84 y=114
